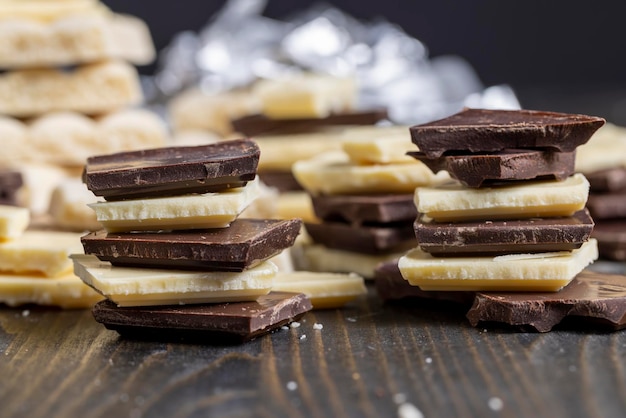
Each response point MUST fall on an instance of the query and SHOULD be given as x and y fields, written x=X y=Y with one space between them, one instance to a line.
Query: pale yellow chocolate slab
x=378 y=145
x=454 y=202
x=66 y=291
x=47 y=10
x=605 y=149
x=13 y=222
x=91 y=89
x=144 y=286
x=333 y=173
x=44 y=252
x=69 y=206
x=195 y=211
x=546 y=272
x=326 y=290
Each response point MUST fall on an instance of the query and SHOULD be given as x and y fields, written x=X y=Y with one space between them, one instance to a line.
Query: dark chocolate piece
x=607 y=205
x=172 y=171
x=359 y=209
x=598 y=297
x=368 y=239
x=610 y=180
x=10 y=183
x=481 y=130
x=244 y=244
x=284 y=181
x=476 y=238
x=254 y=125
x=611 y=236
x=475 y=170
x=210 y=323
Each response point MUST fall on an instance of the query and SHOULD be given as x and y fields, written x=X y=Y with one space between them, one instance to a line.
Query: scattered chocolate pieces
x=359 y=209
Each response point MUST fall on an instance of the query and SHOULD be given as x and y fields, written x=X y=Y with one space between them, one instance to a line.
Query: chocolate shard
x=210 y=323
x=245 y=244
x=254 y=125
x=481 y=130
x=368 y=239
x=596 y=297
x=482 y=238
x=360 y=209
x=10 y=183
x=172 y=171
x=476 y=170
x=607 y=181
x=611 y=236
x=607 y=205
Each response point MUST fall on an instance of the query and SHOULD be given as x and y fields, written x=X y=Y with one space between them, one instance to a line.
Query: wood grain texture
x=366 y=360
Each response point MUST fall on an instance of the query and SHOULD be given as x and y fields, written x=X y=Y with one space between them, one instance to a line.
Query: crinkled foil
x=393 y=70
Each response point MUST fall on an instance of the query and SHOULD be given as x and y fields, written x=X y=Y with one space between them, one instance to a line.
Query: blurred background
x=557 y=55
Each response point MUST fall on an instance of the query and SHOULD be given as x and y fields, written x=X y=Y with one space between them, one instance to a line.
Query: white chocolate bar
x=91 y=89
x=66 y=291
x=45 y=252
x=546 y=272
x=378 y=145
x=454 y=202
x=46 y=10
x=69 y=206
x=326 y=290
x=194 y=211
x=128 y=286
x=606 y=149
x=13 y=221
x=333 y=173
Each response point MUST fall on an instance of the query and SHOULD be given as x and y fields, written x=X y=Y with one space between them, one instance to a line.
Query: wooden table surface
x=369 y=360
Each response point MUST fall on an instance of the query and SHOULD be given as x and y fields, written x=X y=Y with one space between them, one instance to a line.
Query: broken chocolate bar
x=610 y=180
x=598 y=297
x=499 y=237
x=359 y=209
x=611 y=236
x=480 y=130
x=244 y=244
x=210 y=323
x=172 y=171
x=474 y=170
x=607 y=205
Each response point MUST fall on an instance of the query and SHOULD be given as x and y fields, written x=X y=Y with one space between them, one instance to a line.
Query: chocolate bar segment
x=611 y=236
x=209 y=323
x=475 y=170
x=591 y=296
x=360 y=209
x=499 y=237
x=609 y=181
x=607 y=205
x=172 y=171
x=244 y=244
x=481 y=130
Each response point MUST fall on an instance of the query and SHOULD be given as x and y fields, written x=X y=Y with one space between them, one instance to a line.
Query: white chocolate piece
x=66 y=291
x=68 y=206
x=45 y=252
x=295 y=204
x=306 y=96
x=194 y=211
x=454 y=202
x=128 y=286
x=91 y=89
x=546 y=272
x=326 y=290
x=40 y=180
x=332 y=173
x=46 y=10
x=378 y=145
x=605 y=149
x=13 y=221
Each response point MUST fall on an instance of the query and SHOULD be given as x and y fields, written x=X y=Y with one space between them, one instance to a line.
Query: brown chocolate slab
x=368 y=239
x=607 y=205
x=10 y=183
x=593 y=296
x=475 y=170
x=481 y=130
x=172 y=171
x=534 y=235
x=359 y=209
x=260 y=124
x=284 y=181
x=611 y=236
x=209 y=323
x=607 y=181
x=244 y=244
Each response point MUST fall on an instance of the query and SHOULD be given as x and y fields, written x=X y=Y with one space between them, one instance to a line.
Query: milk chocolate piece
x=481 y=130
x=10 y=183
x=244 y=244
x=359 y=209
x=611 y=236
x=172 y=171
x=609 y=180
x=475 y=170
x=260 y=124
x=607 y=205
x=368 y=239
x=499 y=237
x=209 y=323
x=598 y=297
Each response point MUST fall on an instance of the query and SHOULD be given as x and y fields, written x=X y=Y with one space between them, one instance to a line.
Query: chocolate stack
x=515 y=217
x=173 y=237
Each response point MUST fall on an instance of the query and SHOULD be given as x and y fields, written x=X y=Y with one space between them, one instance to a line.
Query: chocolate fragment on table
x=607 y=205
x=481 y=130
x=243 y=245
x=172 y=171
x=611 y=236
x=607 y=181
x=360 y=209
x=596 y=297
x=209 y=323
x=10 y=184
x=476 y=170
x=500 y=237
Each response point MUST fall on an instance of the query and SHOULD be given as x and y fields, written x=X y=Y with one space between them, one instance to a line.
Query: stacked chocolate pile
x=173 y=236
x=515 y=219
